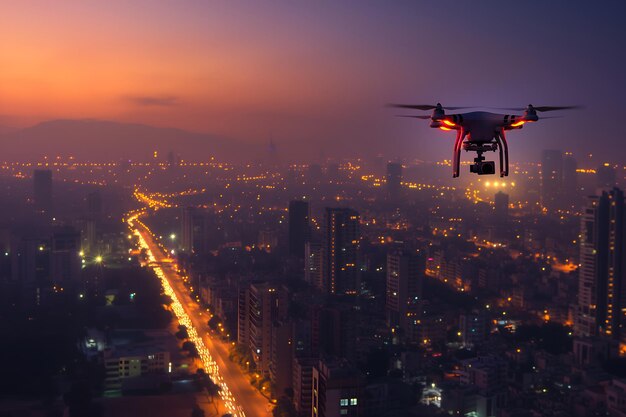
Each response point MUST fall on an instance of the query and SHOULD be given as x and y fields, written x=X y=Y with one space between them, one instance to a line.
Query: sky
x=314 y=76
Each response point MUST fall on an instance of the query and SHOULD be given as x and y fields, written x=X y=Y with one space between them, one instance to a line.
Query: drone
x=480 y=131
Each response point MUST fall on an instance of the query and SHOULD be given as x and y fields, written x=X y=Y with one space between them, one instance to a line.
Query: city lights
x=183 y=318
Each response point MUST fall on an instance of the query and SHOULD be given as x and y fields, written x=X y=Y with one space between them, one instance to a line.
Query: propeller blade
x=550 y=117
x=539 y=109
x=413 y=116
x=413 y=106
x=553 y=108
x=426 y=106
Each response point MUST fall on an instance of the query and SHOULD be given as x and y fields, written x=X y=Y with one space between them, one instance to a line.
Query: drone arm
x=456 y=157
x=504 y=148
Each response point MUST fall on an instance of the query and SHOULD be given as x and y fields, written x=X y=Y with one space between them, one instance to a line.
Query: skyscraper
x=501 y=206
x=299 y=231
x=405 y=278
x=194 y=231
x=551 y=179
x=186 y=230
x=570 y=182
x=394 y=179
x=602 y=279
x=42 y=184
x=65 y=264
x=605 y=176
x=266 y=305
x=340 y=250
x=313 y=264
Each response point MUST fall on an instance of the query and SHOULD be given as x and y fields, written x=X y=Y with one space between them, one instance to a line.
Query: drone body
x=479 y=132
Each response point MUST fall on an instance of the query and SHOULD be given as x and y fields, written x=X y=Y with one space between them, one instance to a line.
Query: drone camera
x=483 y=168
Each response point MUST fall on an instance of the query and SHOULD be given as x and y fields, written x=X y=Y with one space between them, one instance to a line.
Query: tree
x=213 y=322
x=213 y=390
x=182 y=334
x=284 y=408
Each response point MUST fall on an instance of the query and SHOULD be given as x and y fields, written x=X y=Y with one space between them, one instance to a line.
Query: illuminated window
x=353 y=401
x=343 y=402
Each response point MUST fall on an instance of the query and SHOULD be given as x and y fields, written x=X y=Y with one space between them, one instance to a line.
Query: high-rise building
x=337 y=389
x=570 y=182
x=501 y=207
x=303 y=385
x=602 y=278
x=551 y=179
x=605 y=176
x=313 y=264
x=42 y=184
x=266 y=304
x=394 y=179
x=65 y=262
x=299 y=230
x=405 y=277
x=339 y=329
x=473 y=327
x=186 y=230
x=193 y=231
x=281 y=363
x=340 y=251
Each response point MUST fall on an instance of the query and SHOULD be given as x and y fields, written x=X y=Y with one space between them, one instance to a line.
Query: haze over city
x=320 y=209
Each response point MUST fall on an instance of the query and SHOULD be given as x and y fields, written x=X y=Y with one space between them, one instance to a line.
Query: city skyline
x=213 y=209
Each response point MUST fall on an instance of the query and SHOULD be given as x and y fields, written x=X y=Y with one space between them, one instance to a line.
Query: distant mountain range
x=100 y=140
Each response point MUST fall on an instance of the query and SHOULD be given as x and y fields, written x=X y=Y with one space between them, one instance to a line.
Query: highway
x=240 y=398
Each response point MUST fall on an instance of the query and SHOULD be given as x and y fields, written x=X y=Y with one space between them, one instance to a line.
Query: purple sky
x=315 y=75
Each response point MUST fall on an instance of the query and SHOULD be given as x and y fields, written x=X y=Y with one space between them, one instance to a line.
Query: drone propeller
x=553 y=108
x=539 y=108
x=551 y=117
x=424 y=106
x=413 y=116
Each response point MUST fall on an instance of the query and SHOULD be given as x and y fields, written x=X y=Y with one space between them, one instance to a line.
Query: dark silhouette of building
x=261 y=306
x=602 y=280
x=501 y=207
x=94 y=205
x=394 y=180
x=332 y=172
x=194 y=235
x=405 y=278
x=313 y=256
x=65 y=261
x=299 y=230
x=605 y=176
x=340 y=251
x=42 y=183
x=337 y=389
x=570 y=182
x=551 y=179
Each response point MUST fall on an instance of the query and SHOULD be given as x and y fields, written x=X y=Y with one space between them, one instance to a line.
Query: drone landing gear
x=504 y=152
x=480 y=166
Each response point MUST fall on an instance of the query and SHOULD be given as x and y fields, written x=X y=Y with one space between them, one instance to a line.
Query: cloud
x=159 y=101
